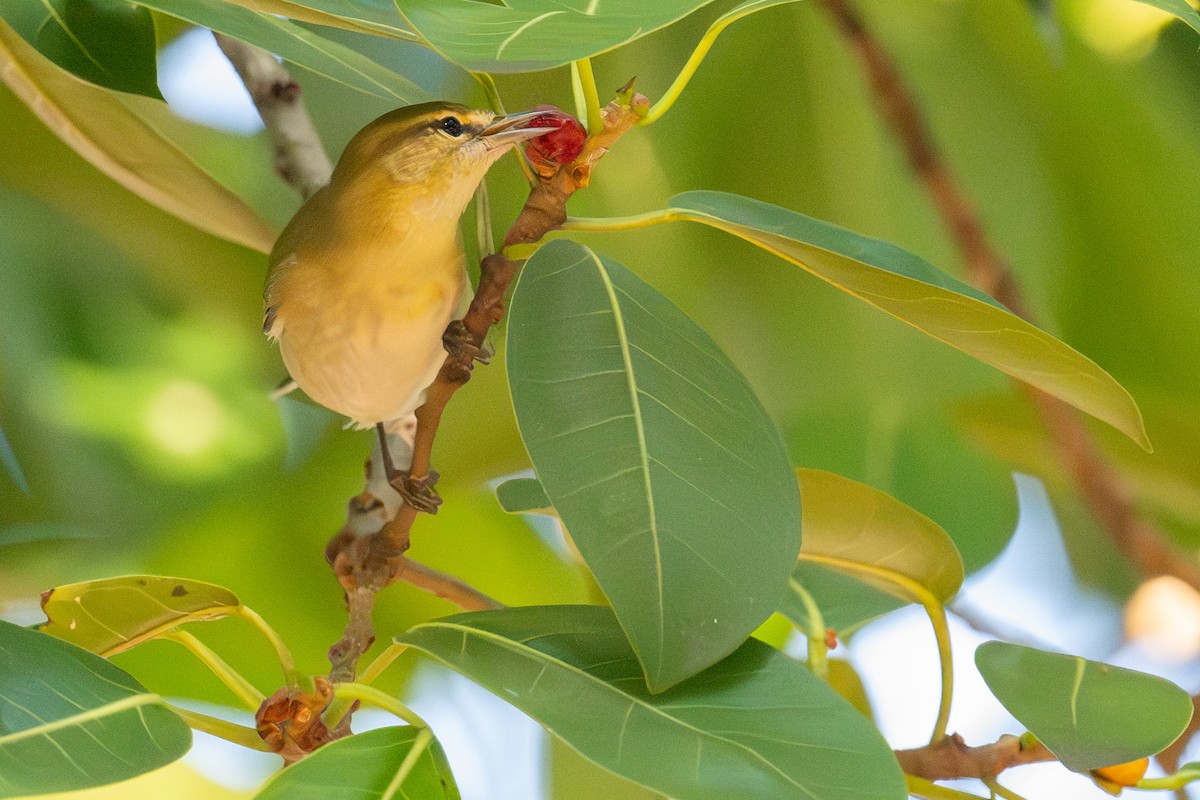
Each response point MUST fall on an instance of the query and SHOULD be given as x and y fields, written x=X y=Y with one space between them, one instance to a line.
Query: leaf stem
x=245 y=691
x=937 y=617
x=919 y=787
x=291 y=675
x=591 y=96
x=997 y=789
x=381 y=663
x=818 y=661
x=625 y=223
x=1189 y=773
x=223 y=729
x=373 y=696
x=693 y=63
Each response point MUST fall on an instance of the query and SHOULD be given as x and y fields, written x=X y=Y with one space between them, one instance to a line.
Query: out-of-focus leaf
x=101 y=127
x=71 y=720
x=108 y=42
x=757 y=724
x=1089 y=714
x=114 y=614
x=296 y=44
x=375 y=17
x=1178 y=9
x=857 y=530
x=670 y=476
x=367 y=766
x=27 y=532
x=304 y=425
x=533 y=35
x=915 y=292
x=9 y=459
x=523 y=495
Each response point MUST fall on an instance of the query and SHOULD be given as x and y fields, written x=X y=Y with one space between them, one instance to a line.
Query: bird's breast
x=361 y=331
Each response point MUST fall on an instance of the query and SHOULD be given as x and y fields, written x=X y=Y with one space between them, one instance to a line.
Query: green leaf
x=107 y=42
x=663 y=465
x=915 y=292
x=9 y=459
x=368 y=766
x=523 y=495
x=1089 y=714
x=296 y=44
x=570 y=776
x=746 y=9
x=533 y=35
x=757 y=724
x=70 y=720
x=1178 y=9
x=114 y=614
x=845 y=602
x=104 y=128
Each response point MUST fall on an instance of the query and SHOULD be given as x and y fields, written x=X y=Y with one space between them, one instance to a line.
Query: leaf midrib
x=643 y=450
x=100 y=712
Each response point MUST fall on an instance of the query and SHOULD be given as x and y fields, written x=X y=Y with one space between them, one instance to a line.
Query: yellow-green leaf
x=114 y=614
x=914 y=291
x=103 y=127
x=856 y=531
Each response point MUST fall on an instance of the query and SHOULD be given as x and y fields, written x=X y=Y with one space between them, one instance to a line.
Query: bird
x=366 y=277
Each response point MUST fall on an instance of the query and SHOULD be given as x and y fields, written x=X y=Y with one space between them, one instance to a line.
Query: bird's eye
x=452 y=126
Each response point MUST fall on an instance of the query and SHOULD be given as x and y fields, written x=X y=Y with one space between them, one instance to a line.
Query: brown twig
x=371 y=557
x=299 y=157
x=368 y=553
x=1104 y=490
x=951 y=758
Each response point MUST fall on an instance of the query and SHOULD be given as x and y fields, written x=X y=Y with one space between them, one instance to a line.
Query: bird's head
x=441 y=147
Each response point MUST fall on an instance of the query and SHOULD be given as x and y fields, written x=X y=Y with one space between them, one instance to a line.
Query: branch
x=368 y=554
x=369 y=558
x=951 y=758
x=299 y=157
x=1103 y=490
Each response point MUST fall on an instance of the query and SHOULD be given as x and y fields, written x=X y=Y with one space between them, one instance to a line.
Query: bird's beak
x=512 y=128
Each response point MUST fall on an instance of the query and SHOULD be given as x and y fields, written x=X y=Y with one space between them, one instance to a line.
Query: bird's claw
x=459 y=341
x=417 y=492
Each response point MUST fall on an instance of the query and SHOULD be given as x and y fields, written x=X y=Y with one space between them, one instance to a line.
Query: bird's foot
x=417 y=492
x=459 y=342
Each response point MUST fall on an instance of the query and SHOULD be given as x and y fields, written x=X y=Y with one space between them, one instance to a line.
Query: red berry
x=560 y=146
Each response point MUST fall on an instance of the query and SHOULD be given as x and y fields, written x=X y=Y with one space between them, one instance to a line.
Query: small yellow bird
x=369 y=272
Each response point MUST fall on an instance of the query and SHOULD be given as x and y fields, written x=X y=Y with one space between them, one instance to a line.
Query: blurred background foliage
x=134 y=378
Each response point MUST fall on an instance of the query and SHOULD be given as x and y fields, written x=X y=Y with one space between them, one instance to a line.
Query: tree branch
x=950 y=758
x=299 y=157
x=1102 y=488
x=368 y=554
